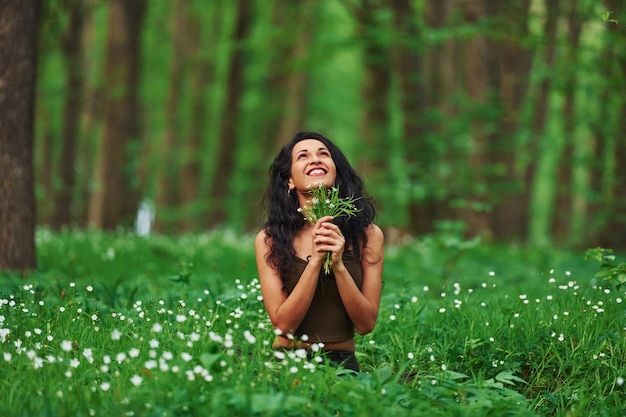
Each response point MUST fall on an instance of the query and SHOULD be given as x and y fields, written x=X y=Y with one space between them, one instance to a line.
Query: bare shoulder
x=373 y=253
x=261 y=237
x=261 y=241
x=375 y=235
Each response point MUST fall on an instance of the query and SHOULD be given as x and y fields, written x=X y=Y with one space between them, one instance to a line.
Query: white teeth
x=317 y=171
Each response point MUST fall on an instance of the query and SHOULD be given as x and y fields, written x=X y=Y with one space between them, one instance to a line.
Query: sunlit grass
x=114 y=324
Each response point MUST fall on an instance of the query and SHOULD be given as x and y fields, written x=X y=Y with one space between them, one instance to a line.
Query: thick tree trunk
x=114 y=203
x=227 y=142
x=18 y=63
x=73 y=53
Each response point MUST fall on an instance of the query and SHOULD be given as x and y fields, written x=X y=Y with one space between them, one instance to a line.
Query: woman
x=305 y=305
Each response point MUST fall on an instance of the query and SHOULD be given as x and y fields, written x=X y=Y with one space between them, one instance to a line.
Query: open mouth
x=315 y=172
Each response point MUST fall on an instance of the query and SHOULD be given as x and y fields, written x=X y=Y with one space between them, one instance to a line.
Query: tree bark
x=614 y=205
x=565 y=191
x=73 y=56
x=203 y=76
x=539 y=223
x=510 y=73
x=114 y=203
x=91 y=121
x=420 y=155
x=374 y=131
x=478 y=69
x=227 y=142
x=168 y=174
x=18 y=63
x=295 y=79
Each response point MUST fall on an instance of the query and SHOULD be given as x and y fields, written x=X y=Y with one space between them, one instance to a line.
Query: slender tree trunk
x=203 y=76
x=227 y=143
x=375 y=122
x=45 y=172
x=91 y=121
x=73 y=57
x=539 y=221
x=440 y=69
x=477 y=70
x=565 y=192
x=285 y=85
x=603 y=133
x=296 y=78
x=114 y=203
x=168 y=174
x=615 y=202
x=420 y=155
x=511 y=61
x=18 y=63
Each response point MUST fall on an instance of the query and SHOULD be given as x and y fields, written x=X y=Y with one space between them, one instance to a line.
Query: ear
x=291 y=184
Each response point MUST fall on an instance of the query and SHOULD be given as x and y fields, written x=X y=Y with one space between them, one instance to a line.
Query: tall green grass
x=119 y=325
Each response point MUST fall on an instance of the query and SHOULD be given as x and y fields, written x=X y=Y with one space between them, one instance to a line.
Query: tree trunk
x=420 y=155
x=615 y=203
x=374 y=131
x=296 y=78
x=440 y=68
x=511 y=63
x=167 y=182
x=91 y=121
x=475 y=60
x=540 y=219
x=18 y=63
x=227 y=142
x=565 y=191
x=203 y=76
x=114 y=203
x=44 y=172
x=73 y=56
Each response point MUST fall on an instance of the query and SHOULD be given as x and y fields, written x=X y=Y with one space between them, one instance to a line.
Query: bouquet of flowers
x=326 y=202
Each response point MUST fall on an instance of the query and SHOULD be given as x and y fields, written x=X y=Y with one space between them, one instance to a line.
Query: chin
x=326 y=182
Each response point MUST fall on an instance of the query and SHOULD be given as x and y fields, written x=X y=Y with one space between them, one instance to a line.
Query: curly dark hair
x=283 y=219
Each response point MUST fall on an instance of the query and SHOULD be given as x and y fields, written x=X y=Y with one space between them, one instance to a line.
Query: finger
x=322 y=220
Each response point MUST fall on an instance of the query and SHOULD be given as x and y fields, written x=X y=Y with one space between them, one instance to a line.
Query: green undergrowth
x=113 y=324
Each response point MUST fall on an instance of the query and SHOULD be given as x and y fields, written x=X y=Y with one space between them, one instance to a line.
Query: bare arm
x=286 y=311
x=361 y=305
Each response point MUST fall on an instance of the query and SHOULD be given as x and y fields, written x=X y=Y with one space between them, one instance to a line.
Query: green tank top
x=327 y=319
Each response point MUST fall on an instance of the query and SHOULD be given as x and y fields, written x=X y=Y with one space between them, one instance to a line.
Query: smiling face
x=311 y=163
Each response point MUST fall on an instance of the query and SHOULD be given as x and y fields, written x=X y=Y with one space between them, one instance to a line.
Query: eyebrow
x=323 y=148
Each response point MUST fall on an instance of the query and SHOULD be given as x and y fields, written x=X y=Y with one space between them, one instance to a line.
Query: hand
x=327 y=238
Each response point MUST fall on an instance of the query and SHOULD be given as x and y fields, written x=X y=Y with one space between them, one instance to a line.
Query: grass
x=118 y=325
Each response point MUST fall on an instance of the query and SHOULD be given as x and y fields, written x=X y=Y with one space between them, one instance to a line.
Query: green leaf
x=456 y=375
x=209 y=359
x=272 y=403
x=493 y=384
x=507 y=377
